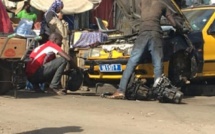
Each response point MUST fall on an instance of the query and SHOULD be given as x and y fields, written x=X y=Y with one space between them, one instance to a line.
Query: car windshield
x=198 y=18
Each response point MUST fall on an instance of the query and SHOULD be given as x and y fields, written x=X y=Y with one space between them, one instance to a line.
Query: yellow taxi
x=187 y=55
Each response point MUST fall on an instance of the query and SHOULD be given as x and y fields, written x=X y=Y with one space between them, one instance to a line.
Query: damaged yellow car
x=108 y=61
x=189 y=55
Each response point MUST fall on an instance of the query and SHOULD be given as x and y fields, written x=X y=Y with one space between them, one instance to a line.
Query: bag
x=24 y=27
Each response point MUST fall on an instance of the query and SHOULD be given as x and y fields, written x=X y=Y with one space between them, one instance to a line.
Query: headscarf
x=55 y=5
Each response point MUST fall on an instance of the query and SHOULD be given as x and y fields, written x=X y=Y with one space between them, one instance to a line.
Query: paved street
x=34 y=113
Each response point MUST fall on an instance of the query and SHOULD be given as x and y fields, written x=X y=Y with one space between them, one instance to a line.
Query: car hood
x=131 y=11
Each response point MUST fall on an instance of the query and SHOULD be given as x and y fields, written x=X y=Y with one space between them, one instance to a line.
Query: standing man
x=150 y=38
x=45 y=67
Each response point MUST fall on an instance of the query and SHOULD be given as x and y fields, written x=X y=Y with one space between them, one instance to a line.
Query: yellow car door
x=209 y=48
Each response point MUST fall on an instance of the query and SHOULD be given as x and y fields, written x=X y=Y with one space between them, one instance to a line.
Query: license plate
x=110 y=68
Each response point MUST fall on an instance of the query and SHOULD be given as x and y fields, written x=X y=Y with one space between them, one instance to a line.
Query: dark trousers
x=50 y=72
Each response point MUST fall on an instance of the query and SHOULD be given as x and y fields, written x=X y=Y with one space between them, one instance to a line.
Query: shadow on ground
x=52 y=130
x=27 y=94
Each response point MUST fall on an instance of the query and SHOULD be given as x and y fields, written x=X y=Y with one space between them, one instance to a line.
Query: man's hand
x=60 y=15
x=176 y=21
x=73 y=65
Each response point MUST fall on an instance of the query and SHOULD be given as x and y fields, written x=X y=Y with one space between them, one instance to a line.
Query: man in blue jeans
x=150 y=38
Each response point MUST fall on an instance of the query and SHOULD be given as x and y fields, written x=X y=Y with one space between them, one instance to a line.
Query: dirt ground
x=36 y=113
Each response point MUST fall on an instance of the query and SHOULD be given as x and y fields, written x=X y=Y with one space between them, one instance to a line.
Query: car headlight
x=127 y=51
x=95 y=52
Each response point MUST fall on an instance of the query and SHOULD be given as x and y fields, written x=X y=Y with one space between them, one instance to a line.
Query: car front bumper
x=143 y=70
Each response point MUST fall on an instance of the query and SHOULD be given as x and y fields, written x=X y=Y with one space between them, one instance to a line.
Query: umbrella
x=70 y=6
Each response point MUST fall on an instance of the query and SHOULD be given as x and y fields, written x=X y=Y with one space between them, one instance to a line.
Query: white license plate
x=110 y=68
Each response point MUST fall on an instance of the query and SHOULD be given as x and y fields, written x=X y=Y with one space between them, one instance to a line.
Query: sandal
x=59 y=91
x=116 y=95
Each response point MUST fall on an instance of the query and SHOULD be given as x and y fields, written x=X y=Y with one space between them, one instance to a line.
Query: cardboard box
x=15 y=47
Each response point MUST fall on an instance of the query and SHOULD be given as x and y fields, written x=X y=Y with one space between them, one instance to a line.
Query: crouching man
x=44 y=66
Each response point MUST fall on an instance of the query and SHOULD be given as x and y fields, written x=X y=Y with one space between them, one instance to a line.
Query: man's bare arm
x=68 y=58
x=173 y=22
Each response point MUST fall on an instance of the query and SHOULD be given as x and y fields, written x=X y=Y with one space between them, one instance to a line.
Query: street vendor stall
x=11 y=66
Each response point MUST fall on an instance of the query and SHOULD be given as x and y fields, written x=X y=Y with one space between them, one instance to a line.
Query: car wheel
x=179 y=68
x=75 y=80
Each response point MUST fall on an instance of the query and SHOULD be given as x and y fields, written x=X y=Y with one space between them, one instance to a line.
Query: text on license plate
x=110 y=67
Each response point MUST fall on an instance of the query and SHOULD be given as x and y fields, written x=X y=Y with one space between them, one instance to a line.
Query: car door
x=209 y=47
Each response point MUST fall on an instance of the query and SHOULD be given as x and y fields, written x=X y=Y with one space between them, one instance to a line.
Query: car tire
x=75 y=80
x=179 y=68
